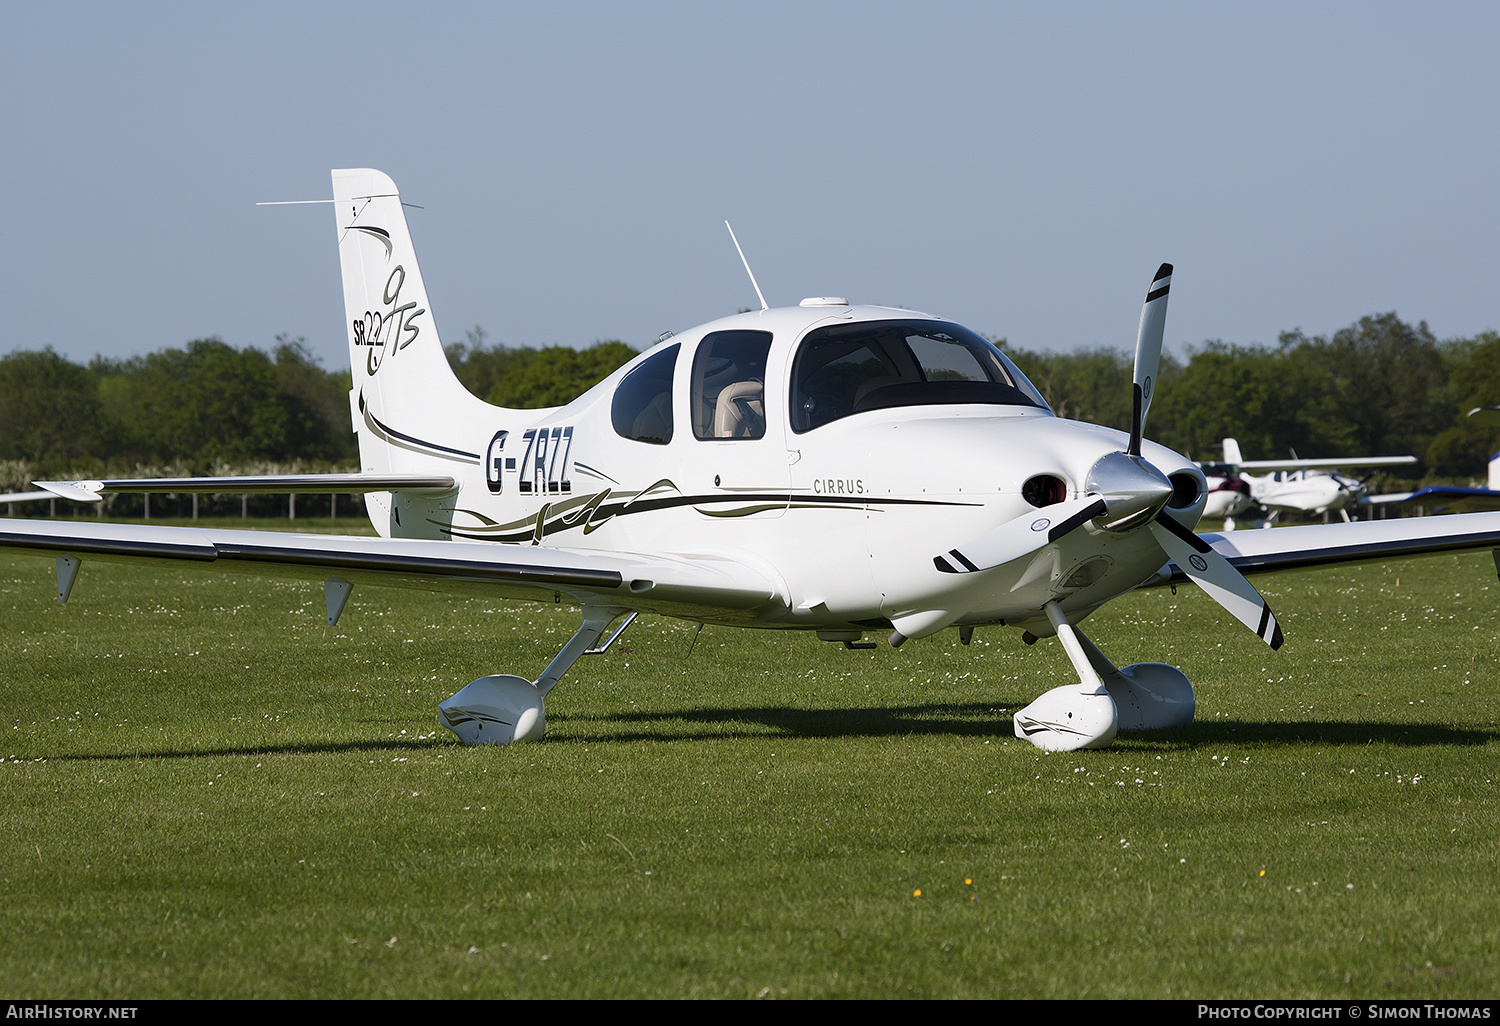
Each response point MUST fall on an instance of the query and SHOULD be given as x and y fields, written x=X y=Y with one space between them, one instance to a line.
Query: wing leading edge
x=1313 y=545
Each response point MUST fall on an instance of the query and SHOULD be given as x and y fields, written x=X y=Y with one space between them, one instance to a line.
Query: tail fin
x=1232 y=452
x=410 y=412
x=412 y=416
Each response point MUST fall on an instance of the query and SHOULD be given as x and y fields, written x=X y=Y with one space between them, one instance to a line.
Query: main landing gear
x=502 y=707
x=1106 y=699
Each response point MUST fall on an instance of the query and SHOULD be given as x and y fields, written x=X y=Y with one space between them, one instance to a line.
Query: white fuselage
x=845 y=517
x=1310 y=491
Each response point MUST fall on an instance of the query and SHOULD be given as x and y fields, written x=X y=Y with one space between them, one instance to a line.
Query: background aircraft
x=1303 y=485
x=1488 y=416
x=824 y=467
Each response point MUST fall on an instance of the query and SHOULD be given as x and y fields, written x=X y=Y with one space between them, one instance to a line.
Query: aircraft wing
x=1334 y=463
x=696 y=585
x=1288 y=548
x=1434 y=491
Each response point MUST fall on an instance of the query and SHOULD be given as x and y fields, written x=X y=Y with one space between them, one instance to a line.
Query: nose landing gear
x=1106 y=699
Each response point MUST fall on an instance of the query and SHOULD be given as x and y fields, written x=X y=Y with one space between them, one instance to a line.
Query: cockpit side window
x=850 y=368
x=642 y=407
x=729 y=384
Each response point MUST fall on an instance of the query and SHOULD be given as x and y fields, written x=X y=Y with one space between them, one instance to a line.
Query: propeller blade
x=1148 y=353
x=1021 y=536
x=1215 y=575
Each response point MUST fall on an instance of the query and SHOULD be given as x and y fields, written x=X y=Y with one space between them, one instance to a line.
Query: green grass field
x=208 y=792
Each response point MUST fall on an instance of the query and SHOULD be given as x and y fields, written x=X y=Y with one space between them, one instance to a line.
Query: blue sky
x=1021 y=168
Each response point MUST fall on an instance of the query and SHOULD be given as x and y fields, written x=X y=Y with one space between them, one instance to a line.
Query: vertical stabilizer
x=410 y=412
x=1232 y=452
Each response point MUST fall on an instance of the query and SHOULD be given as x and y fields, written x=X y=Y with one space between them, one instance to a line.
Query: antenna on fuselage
x=751 y=273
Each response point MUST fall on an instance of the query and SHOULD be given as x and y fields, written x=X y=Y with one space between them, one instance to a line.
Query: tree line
x=1375 y=388
x=1378 y=387
x=209 y=408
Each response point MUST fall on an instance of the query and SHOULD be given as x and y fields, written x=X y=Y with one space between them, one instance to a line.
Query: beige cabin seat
x=739 y=411
x=655 y=421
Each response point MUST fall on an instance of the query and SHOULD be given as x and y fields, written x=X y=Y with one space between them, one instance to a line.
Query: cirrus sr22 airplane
x=825 y=467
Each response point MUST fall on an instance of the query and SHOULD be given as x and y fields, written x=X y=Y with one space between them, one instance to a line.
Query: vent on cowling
x=1044 y=490
x=1186 y=490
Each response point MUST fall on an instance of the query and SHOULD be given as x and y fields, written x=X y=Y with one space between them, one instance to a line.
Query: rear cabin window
x=729 y=385
x=875 y=365
x=642 y=408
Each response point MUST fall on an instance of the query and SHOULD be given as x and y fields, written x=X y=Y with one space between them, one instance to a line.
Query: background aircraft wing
x=1332 y=463
x=696 y=585
x=1430 y=492
x=1287 y=548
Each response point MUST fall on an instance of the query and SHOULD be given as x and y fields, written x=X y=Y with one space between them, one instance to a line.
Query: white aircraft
x=1307 y=486
x=826 y=467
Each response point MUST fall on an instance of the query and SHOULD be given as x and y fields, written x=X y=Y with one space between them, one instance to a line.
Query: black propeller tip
x=1161 y=284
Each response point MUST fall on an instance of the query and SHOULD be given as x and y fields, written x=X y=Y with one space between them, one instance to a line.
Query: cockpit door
x=737 y=446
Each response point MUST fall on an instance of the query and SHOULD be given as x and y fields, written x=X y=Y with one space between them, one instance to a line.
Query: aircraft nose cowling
x=1132 y=489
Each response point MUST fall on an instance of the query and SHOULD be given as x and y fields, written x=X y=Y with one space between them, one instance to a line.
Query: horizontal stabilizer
x=302 y=484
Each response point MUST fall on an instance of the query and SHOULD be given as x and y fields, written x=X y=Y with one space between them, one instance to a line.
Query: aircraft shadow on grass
x=979 y=719
x=931 y=719
x=382 y=746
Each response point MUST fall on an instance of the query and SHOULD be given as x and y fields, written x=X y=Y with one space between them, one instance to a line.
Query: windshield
x=875 y=365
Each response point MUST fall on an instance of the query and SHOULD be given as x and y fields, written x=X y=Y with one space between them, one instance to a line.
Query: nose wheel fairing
x=1106 y=699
